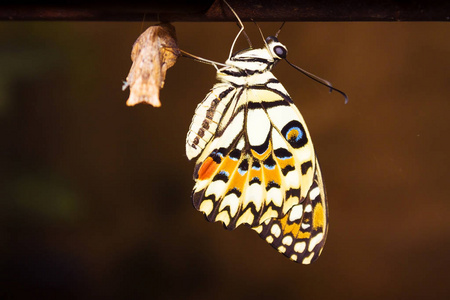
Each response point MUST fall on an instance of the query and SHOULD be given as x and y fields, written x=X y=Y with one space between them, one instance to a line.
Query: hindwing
x=300 y=234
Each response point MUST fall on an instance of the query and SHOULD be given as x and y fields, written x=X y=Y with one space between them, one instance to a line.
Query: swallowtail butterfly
x=255 y=160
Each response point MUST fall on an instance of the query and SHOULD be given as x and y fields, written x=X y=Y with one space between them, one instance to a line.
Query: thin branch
x=215 y=10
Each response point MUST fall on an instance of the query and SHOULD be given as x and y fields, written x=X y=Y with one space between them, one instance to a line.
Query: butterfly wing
x=300 y=234
x=260 y=161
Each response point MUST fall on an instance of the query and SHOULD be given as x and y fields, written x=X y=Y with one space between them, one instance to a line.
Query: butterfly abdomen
x=206 y=118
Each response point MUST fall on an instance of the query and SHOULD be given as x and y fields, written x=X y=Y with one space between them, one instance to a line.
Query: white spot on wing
x=314 y=241
x=275 y=230
x=308 y=208
x=296 y=213
x=216 y=187
x=223 y=216
x=201 y=184
x=254 y=193
x=305 y=226
x=294 y=257
x=287 y=240
x=240 y=145
x=270 y=213
x=292 y=180
x=304 y=154
x=314 y=193
x=307 y=260
x=258 y=126
x=282 y=249
x=269 y=239
x=206 y=206
x=247 y=218
x=274 y=195
x=258 y=229
x=230 y=200
x=300 y=247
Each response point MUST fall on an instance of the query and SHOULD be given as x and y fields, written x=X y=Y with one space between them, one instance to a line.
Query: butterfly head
x=276 y=49
x=259 y=60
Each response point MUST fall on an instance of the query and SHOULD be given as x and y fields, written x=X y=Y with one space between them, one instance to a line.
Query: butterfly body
x=256 y=164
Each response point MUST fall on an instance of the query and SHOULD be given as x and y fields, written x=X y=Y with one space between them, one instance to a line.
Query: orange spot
x=237 y=180
x=265 y=154
x=229 y=165
x=303 y=235
x=293 y=228
x=284 y=162
x=271 y=175
x=318 y=216
x=293 y=134
x=255 y=173
x=207 y=169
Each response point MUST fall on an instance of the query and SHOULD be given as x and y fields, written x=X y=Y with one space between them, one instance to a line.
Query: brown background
x=95 y=196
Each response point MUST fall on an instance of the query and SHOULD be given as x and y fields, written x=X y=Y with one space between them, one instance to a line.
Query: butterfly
x=255 y=160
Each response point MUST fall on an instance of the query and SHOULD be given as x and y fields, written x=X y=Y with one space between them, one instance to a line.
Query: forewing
x=301 y=234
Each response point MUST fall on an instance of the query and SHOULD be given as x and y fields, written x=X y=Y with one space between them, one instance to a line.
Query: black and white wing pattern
x=300 y=234
x=256 y=163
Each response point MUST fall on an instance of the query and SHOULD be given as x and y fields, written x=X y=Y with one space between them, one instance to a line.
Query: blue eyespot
x=295 y=134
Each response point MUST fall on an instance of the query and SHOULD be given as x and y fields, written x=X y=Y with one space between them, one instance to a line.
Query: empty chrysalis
x=154 y=52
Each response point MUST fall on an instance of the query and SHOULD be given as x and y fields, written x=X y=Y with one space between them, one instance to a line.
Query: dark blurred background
x=95 y=195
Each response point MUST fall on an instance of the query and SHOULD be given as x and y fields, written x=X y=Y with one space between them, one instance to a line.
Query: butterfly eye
x=280 y=51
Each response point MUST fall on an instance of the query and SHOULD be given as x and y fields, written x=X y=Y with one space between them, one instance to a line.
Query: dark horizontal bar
x=216 y=10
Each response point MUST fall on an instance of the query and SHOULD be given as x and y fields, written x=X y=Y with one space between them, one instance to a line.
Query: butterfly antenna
x=240 y=31
x=262 y=35
x=279 y=30
x=246 y=37
x=319 y=80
